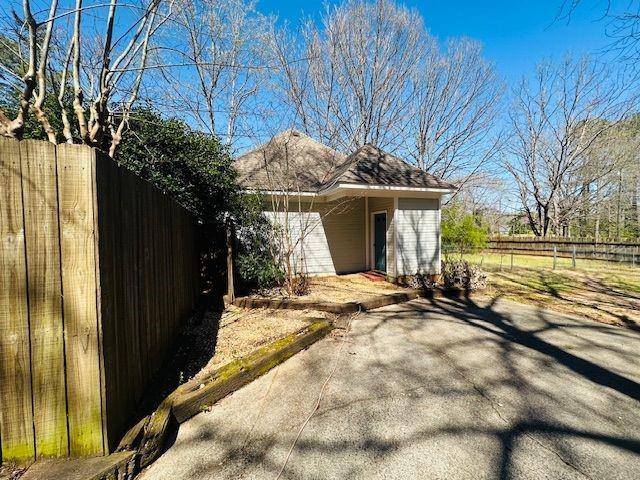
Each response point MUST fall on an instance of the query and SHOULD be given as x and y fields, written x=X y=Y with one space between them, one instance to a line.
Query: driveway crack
x=495 y=407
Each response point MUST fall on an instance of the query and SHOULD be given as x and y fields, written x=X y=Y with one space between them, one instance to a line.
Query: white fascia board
x=282 y=193
x=391 y=188
x=348 y=189
x=358 y=190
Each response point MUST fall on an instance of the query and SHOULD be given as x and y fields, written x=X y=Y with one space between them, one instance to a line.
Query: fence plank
x=108 y=221
x=75 y=183
x=101 y=366
x=129 y=303
x=16 y=414
x=40 y=195
x=98 y=269
x=145 y=294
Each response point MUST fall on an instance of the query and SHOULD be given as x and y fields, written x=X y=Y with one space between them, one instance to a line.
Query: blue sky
x=515 y=33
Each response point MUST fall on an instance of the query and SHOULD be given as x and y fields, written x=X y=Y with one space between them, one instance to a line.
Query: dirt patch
x=340 y=289
x=217 y=338
x=11 y=472
x=242 y=331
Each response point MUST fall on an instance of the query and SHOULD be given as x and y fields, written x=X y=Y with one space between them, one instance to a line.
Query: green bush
x=260 y=272
x=195 y=169
x=462 y=232
x=255 y=255
x=192 y=167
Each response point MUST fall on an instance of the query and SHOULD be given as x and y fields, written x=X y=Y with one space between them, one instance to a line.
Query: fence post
x=555 y=255
x=574 y=256
x=512 y=261
x=501 y=256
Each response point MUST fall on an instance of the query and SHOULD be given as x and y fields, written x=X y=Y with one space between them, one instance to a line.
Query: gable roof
x=293 y=161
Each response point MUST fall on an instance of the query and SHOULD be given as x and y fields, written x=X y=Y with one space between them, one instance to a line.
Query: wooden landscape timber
x=346 y=308
x=146 y=441
x=97 y=271
x=331 y=307
x=203 y=392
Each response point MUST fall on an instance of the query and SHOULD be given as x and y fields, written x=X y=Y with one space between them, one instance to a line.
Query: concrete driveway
x=436 y=390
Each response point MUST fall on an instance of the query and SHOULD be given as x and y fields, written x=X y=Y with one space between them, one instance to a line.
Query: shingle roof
x=293 y=161
x=370 y=165
x=289 y=161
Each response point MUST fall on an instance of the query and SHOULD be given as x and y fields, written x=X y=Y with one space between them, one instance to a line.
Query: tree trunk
x=231 y=296
x=619 y=207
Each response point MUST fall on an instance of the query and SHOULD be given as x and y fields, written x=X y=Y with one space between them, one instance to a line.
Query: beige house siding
x=377 y=204
x=418 y=236
x=334 y=235
x=336 y=239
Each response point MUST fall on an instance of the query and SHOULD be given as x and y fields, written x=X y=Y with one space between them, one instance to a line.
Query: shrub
x=194 y=168
x=258 y=272
x=421 y=281
x=462 y=232
x=256 y=256
x=298 y=285
x=458 y=275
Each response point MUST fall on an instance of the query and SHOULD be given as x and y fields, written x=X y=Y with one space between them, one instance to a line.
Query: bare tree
x=555 y=123
x=224 y=59
x=609 y=205
x=352 y=87
x=369 y=72
x=622 y=25
x=110 y=78
x=455 y=100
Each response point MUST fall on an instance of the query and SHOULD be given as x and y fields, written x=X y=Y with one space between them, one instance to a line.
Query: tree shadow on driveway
x=449 y=388
x=510 y=334
x=489 y=320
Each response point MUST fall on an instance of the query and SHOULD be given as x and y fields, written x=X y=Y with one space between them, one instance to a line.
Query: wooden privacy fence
x=97 y=270
x=626 y=252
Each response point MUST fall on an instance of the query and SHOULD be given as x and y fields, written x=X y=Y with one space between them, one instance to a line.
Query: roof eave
x=387 y=188
x=356 y=189
x=263 y=191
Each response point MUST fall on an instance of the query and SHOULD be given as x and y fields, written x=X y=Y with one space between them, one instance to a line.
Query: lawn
x=602 y=291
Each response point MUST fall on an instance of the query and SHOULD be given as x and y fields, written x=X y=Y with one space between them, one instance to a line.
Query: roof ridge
x=397 y=157
x=290 y=132
x=356 y=158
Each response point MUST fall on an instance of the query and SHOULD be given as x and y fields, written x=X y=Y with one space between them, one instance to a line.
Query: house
x=369 y=210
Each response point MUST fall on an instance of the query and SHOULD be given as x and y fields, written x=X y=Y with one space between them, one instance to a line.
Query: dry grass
x=341 y=288
x=11 y=472
x=219 y=338
x=237 y=332
x=604 y=292
x=242 y=331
